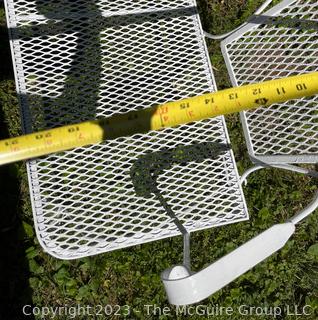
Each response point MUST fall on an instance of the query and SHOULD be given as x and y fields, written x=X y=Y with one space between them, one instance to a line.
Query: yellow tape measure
x=168 y=115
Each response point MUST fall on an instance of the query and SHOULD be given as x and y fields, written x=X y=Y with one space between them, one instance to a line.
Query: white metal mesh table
x=80 y=60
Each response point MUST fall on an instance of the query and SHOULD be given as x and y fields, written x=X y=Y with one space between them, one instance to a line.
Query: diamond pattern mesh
x=74 y=63
x=64 y=8
x=285 y=46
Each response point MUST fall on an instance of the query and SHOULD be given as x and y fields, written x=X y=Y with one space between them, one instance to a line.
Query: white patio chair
x=80 y=60
x=279 y=43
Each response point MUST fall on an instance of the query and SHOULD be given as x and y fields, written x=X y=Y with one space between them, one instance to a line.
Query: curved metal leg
x=224 y=35
x=311 y=173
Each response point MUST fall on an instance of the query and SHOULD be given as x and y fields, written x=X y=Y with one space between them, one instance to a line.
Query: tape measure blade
x=168 y=115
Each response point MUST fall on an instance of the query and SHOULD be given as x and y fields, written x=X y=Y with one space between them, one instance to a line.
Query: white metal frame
x=68 y=228
x=186 y=287
x=268 y=159
x=182 y=285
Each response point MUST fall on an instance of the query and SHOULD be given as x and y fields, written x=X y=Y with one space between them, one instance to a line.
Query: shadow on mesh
x=66 y=89
x=146 y=169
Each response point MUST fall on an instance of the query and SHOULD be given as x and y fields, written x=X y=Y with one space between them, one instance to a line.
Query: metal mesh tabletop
x=279 y=43
x=80 y=60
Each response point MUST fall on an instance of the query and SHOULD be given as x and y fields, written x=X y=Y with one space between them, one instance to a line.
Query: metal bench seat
x=279 y=43
x=81 y=60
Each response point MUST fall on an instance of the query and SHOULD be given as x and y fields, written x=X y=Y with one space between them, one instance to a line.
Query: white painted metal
x=288 y=167
x=183 y=288
x=264 y=50
x=306 y=211
x=80 y=60
x=227 y=34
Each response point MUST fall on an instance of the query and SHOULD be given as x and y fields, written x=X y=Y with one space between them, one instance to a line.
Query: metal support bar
x=306 y=211
x=311 y=173
x=224 y=35
x=184 y=288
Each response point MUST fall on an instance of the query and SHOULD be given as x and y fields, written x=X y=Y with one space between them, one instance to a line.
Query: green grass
x=131 y=276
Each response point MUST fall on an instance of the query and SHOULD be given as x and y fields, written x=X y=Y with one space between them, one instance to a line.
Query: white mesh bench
x=87 y=59
x=81 y=60
x=269 y=48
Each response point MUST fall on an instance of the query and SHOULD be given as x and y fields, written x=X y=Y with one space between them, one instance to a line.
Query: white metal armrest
x=184 y=288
